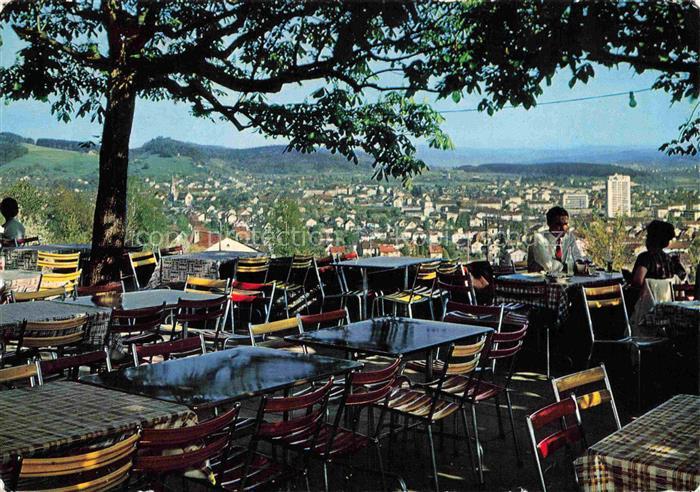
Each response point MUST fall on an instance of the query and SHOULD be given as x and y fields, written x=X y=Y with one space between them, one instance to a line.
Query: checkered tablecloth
x=557 y=296
x=19 y=281
x=206 y=264
x=674 y=318
x=63 y=413
x=25 y=257
x=12 y=315
x=658 y=451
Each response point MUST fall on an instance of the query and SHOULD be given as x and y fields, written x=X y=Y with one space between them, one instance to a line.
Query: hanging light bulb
x=633 y=101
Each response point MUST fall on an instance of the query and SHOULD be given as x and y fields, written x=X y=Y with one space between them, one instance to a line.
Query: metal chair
x=184 y=347
x=136 y=326
x=104 y=469
x=600 y=304
x=99 y=290
x=58 y=262
x=555 y=414
x=69 y=281
x=332 y=287
x=72 y=364
x=310 y=322
x=570 y=384
x=58 y=293
x=142 y=265
x=271 y=334
x=422 y=291
x=30 y=372
x=252 y=269
x=205 y=317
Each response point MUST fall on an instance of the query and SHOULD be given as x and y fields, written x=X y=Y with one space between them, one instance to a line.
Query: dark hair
x=659 y=234
x=9 y=207
x=555 y=212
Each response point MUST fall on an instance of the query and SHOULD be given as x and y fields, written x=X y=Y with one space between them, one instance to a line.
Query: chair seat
x=279 y=343
x=289 y=287
x=405 y=297
x=417 y=404
x=648 y=342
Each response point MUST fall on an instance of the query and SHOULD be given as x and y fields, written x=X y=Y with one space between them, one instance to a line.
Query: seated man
x=12 y=228
x=554 y=248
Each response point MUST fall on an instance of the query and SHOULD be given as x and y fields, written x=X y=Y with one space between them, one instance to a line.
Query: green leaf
x=456 y=96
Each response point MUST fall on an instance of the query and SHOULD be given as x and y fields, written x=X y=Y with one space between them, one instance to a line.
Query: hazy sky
x=609 y=121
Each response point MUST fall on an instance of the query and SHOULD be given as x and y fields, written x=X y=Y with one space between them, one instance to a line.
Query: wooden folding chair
x=559 y=414
x=69 y=281
x=586 y=398
x=44 y=295
x=94 y=360
x=104 y=469
x=142 y=265
x=184 y=347
x=58 y=262
x=30 y=372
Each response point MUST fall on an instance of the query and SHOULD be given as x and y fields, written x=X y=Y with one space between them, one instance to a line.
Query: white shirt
x=13 y=229
x=543 y=251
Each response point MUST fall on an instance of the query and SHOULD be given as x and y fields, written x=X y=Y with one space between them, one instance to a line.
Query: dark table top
x=572 y=281
x=387 y=336
x=12 y=314
x=220 y=377
x=141 y=299
x=385 y=262
x=213 y=255
x=63 y=413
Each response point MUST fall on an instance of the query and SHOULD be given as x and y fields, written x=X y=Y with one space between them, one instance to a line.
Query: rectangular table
x=207 y=264
x=658 y=451
x=391 y=336
x=141 y=299
x=63 y=413
x=12 y=315
x=557 y=294
x=382 y=263
x=222 y=377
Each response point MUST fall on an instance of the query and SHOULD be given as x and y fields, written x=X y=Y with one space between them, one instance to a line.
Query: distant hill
x=594 y=155
x=271 y=159
x=11 y=146
x=54 y=143
x=553 y=169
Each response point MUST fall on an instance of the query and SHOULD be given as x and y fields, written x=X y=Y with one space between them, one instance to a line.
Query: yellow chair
x=200 y=285
x=142 y=265
x=53 y=336
x=423 y=290
x=105 y=469
x=252 y=270
x=17 y=373
x=58 y=262
x=566 y=385
x=270 y=334
x=69 y=281
x=44 y=295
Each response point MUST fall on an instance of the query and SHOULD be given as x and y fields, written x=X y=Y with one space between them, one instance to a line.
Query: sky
x=601 y=122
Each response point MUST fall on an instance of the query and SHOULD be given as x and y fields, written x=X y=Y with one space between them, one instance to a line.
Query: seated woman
x=12 y=228
x=653 y=263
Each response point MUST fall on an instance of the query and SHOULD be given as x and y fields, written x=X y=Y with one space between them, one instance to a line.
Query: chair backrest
x=171 y=251
x=184 y=347
x=206 y=314
x=299 y=269
x=206 y=285
x=580 y=385
x=278 y=328
x=55 y=333
x=481 y=273
x=327 y=276
x=457 y=292
x=560 y=414
x=605 y=309
x=660 y=290
x=252 y=269
x=58 y=262
x=53 y=280
x=310 y=322
x=684 y=292
x=142 y=264
x=304 y=414
x=18 y=373
x=56 y=293
x=459 y=312
x=73 y=363
x=104 y=469
x=132 y=321
x=426 y=273
x=201 y=442
x=102 y=289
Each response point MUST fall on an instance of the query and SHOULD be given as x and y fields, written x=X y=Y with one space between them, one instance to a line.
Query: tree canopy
x=366 y=65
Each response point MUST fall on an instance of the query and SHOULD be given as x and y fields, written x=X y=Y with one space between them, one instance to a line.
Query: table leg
x=365 y=291
x=429 y=356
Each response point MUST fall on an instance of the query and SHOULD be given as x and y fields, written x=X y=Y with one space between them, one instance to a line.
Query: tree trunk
x=109 y=225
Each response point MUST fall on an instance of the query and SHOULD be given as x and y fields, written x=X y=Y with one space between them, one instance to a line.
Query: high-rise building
x=619 y=195
x=575 y=201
